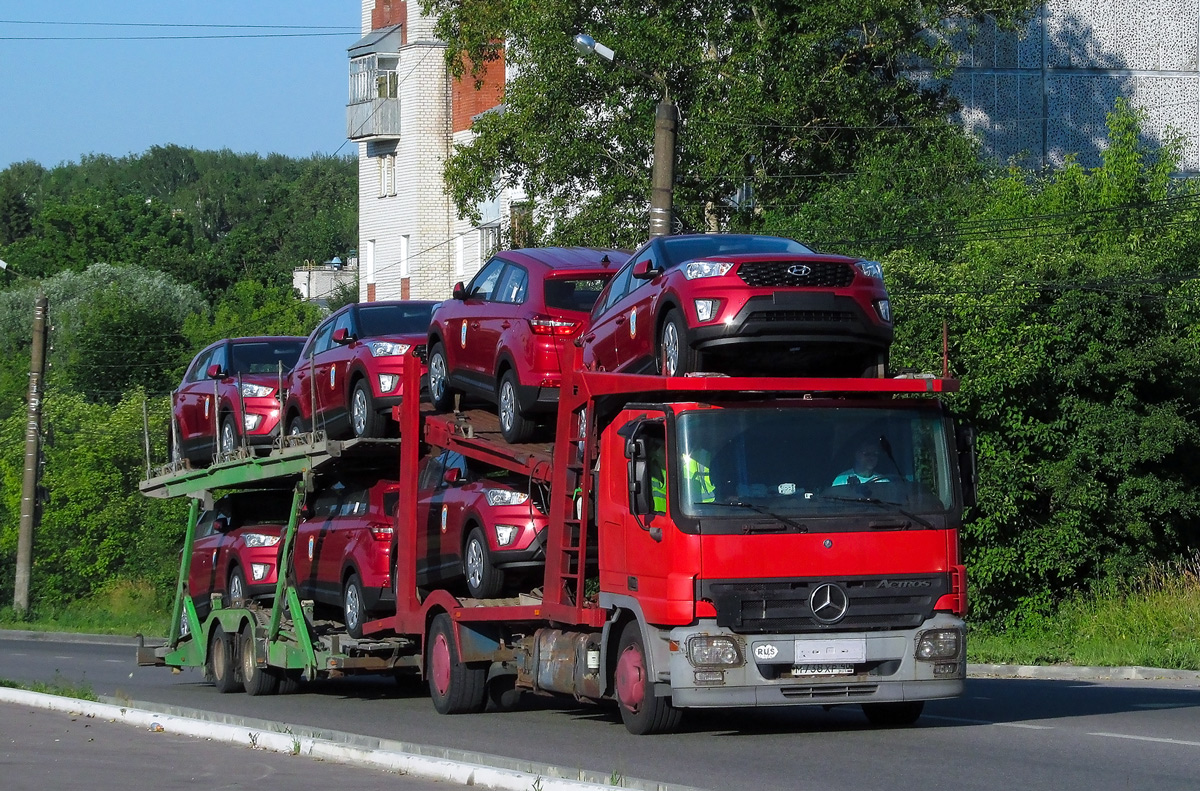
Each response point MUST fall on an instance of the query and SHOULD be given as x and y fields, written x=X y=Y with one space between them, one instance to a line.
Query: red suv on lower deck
x=344 y=548
x=742 y=305
x=351 y=370
x=230 y=395
x=501 y=337
x=480 y=525
x=236 y=547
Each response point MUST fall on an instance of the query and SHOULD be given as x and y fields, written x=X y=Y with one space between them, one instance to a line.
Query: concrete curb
x=1081 y=673
x=68 y=637
x=337 y=747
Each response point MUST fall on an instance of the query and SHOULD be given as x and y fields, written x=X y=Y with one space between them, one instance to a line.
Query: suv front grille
x=774 y=274
x=802 y=316
x=874 y=604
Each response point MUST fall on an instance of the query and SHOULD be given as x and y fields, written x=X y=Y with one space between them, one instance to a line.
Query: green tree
x=1072 y=315
x=770 y=95
x=250 y=308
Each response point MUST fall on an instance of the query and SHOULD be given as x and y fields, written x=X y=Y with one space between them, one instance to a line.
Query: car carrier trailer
x=697 y=555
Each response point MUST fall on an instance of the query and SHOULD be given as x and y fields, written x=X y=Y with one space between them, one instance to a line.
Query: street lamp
x=666 y=116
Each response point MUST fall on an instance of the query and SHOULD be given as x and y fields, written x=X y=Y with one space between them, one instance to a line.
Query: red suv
x=501 y=335
x=231 y=391
x=480 y=525
x=742 y=305
x=344 y=548
x=235 y=551
x=352 y=369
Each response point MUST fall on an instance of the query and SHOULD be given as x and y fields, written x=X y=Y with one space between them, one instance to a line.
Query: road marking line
x=1147 y=739
x=1025 y=725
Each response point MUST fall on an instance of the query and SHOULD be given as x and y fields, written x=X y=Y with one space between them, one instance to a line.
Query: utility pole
x=663 y=173
x=33 y=441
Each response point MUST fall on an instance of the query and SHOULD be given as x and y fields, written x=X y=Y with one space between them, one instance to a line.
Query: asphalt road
x=42 y=750
x=1004 y=734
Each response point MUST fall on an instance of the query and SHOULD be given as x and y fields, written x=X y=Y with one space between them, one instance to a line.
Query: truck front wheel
x=258 y=680
x=642 y=712
x=456 y=688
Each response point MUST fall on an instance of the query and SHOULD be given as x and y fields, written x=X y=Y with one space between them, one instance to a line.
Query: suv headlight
x=939 y=644
x=710 y=651
x=504 y=497
x=697 y=269
x=871 y=269
x=259 y=540
x=387 y=348
x=255 y=391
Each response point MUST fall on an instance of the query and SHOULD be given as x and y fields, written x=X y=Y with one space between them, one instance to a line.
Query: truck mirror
x=640 y=489
x=967 y=469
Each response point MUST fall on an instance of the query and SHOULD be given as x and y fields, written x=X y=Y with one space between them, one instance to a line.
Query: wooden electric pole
x=33 y=441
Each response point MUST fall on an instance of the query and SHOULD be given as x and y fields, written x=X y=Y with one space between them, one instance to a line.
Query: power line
x=169 y=38
x=175 y=24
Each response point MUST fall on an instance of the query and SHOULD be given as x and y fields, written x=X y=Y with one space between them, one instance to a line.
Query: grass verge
x=1153 y=621
x=123 y=608
x=59 y=686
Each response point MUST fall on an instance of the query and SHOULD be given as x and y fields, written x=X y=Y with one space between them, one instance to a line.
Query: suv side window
x=484 y=282
x=344 y=321
x=513 y=285
x=321 y=340
x=329 y=501
x=620 y=286
x=655 y=263
x=431 y=474
x=218 y=358
x=199 y=371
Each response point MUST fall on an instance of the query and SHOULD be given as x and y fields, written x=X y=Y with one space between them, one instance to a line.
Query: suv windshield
x=677 y=250
x=377 y=320
x=808 y=462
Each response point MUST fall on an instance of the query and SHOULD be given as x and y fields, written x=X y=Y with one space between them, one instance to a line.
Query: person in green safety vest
x=656 y=459
x=695 y=471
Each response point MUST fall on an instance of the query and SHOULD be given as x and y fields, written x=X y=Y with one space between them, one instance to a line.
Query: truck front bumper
x=769 y=674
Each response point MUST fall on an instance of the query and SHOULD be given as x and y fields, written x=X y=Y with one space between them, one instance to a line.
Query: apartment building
x=406 y=113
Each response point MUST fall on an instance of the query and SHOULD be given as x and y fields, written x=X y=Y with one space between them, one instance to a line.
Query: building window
x=521 y=224
x=489 y=240
x=387 y=175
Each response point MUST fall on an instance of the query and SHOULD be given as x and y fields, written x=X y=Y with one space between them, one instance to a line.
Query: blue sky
x=61 y=99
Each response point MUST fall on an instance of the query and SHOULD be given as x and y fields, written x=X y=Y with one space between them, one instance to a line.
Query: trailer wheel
x=641 y=711
x=257 y=680
x=502 y=694
x=456 y=688
x=289 y=680
x=893 y=715
x=221 y=661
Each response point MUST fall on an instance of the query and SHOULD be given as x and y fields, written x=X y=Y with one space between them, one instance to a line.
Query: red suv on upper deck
x=501 y=335
x=232 y=384
x=742 y=305
x=352 y=368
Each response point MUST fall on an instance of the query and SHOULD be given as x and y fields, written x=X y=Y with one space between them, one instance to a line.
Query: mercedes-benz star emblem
x=799 y=270
x=829 y=603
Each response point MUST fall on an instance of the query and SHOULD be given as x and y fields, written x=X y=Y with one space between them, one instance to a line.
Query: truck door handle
x=621 y=319
x=505 y=325
x=474 y=325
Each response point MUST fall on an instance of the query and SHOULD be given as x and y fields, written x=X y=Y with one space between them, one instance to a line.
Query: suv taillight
x=544 y=325
x=381 y=532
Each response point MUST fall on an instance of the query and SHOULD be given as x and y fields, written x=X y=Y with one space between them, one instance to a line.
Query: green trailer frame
x=286 y=639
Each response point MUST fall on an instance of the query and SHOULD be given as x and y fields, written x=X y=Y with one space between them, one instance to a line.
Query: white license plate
x=838 y=651
x=823 y=670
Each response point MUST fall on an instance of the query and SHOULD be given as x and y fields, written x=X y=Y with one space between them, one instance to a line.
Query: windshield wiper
x=875 y=501
x=798 y=527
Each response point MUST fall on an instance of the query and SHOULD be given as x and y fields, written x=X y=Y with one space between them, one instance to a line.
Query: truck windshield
x=799 y=461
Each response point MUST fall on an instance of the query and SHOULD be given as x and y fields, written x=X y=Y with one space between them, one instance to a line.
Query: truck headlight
x=709 y=651
x=939 y=644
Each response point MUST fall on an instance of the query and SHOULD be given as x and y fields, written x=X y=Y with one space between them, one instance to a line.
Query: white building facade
x=406 y=113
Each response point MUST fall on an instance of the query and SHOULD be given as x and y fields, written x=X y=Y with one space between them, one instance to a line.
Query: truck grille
x=874 y=603
x=774 y=274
